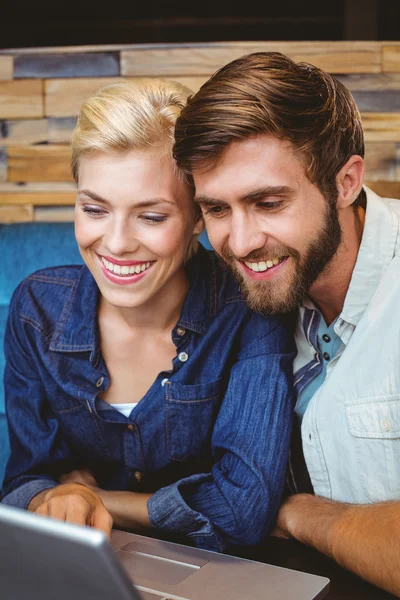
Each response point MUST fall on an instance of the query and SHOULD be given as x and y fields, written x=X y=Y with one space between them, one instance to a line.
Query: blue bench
x=25 y=248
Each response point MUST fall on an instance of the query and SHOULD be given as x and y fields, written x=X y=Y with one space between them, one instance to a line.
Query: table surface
x=293 y=555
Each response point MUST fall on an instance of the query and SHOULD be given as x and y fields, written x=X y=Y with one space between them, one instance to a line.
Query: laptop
x=45 y=559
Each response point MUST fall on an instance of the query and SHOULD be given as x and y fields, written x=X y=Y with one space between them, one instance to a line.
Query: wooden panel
x=370 y=83
x=335 y=57
x=84 y=64
x=16 y=214
x=64 y=97
x=34 y=187
x=386 y=189
x=60 y=129
x=381 y=127
x=26 y=131
x=6 y=67
x=54 y=214
x=391 y=59
x=39 y=199
x=3 y=164
x=382 y=161
x=39 y=163
x=378 y=101
x=21 y=99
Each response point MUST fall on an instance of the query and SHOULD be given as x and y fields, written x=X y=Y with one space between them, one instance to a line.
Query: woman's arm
x=237 y=502
x=39 y=452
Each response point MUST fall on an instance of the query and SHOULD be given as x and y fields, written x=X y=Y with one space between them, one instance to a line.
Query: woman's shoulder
x=43 y=294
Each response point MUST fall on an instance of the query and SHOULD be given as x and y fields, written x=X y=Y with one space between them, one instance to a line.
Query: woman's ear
x=349 y=181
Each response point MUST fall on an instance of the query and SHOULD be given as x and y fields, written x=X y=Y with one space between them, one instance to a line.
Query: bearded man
x=275 y=150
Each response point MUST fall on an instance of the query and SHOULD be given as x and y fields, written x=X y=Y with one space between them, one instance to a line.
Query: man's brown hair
x=267 y=92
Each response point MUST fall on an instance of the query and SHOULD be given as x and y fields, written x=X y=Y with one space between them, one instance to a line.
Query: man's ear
x=199 y=225
x=349 y=181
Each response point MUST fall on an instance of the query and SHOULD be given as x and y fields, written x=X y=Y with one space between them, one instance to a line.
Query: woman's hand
x=83 y=476
x=75 y=503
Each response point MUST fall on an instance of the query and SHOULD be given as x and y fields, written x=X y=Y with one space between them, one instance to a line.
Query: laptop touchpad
x=168 y=566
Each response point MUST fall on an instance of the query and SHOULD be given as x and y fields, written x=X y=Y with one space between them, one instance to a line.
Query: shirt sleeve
x=37 y=448
x=238 y=501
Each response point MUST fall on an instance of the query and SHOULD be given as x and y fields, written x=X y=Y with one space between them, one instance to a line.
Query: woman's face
x=134 y=220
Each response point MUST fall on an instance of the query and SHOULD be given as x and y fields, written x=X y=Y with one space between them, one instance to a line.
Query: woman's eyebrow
x=142 y=204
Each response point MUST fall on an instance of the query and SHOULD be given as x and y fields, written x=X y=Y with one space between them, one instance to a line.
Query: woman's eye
x=154 y=218
x=93 y=211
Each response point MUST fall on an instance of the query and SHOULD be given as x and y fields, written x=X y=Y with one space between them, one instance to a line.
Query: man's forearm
x=363 y=538
x=128 y=509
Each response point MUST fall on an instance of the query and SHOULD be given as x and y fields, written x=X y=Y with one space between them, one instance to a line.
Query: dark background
x=84 y=22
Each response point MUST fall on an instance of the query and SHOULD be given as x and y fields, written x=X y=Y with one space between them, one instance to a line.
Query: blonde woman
x=140 y=390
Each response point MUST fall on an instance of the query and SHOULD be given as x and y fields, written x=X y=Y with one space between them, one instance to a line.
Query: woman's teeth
x=126 y=269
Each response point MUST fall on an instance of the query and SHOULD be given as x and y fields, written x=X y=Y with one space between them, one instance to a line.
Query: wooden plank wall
x=41 y=91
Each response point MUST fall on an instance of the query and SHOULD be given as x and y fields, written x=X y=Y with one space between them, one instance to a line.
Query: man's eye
x=213 y=210
x=270 y=205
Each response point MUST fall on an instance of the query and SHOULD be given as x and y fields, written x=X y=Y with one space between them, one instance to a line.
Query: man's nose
x=245 y=236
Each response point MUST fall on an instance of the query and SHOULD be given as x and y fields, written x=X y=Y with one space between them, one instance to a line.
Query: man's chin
x=271 y=299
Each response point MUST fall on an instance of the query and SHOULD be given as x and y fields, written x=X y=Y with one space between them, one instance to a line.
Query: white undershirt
x=125 y=408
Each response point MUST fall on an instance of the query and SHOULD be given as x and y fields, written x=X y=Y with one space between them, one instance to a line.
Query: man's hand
x=75 y=503
x=362 y=538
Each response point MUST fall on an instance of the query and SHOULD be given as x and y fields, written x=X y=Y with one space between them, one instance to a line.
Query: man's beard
x=278 y=295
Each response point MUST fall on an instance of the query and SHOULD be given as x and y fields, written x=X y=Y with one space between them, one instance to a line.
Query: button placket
x=183 y=356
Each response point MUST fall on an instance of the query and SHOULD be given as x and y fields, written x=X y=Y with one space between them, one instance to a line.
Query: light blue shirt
x=350 y=404
x=329 y=344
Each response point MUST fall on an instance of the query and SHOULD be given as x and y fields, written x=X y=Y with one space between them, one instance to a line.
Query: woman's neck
x=160 y=313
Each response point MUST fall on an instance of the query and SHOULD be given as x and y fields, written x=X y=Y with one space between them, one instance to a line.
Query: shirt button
x=138 y=475
x=326 y=356
x=386 y=425
x=131 y=427
x=164 y=381
x=180 y=331
x=99 y=382
x=326 y=338
x=183 y=356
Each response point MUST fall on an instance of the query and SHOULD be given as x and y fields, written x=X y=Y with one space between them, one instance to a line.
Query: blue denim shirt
x=210 y=438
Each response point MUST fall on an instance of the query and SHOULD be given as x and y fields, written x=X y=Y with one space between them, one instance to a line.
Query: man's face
x=268 y=221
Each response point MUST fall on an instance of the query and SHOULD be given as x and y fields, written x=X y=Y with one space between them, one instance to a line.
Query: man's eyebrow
x=207 y=201
x=270 y=190
x=254 y=196
x=143 y=204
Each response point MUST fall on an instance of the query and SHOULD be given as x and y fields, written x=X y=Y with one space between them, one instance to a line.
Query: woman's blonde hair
x=131 y=115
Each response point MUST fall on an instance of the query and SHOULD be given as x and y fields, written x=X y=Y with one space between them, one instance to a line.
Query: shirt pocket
x=375 y=426
x=191 y=411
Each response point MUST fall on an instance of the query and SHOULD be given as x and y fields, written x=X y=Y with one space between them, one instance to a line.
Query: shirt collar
x=77 y=327
x=376 y=251
x=201 y=303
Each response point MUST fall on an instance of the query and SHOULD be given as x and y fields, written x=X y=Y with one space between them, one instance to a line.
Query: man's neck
x=330 y=290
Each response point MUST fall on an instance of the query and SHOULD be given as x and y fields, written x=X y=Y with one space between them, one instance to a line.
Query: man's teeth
x=125 y=270
x=264 y=265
